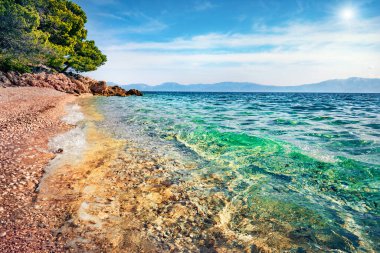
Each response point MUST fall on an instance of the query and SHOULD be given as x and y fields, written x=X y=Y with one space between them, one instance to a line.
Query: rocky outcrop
x=134 y=92
x=69 y=83
x=103 y=89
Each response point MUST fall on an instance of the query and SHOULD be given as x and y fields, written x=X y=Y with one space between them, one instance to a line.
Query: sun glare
x=347 y=14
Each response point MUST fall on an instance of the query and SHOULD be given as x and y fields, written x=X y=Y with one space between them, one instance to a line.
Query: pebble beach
x=29 y=117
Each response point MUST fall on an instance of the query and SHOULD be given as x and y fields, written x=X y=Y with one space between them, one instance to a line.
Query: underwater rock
x=301 y=250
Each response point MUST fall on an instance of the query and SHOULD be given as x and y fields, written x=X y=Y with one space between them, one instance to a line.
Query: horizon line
x=244 y=82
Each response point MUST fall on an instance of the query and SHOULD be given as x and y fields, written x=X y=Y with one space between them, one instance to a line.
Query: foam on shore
x=71 y=144
x=78 y=179
x=74 y=114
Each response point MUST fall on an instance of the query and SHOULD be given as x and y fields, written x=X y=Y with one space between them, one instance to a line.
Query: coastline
x=118 y=198
x=114 y=189
x=53 y=161
x=258 y=130
x=29 y=118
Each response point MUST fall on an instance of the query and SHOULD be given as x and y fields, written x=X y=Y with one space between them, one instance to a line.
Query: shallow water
x=253 y=171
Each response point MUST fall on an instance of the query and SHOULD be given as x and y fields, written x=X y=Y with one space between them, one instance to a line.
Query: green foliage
x=48 y=32
x=87 y=57
x=21 y=43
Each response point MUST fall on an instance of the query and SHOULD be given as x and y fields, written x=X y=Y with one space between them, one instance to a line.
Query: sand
x=28 y=118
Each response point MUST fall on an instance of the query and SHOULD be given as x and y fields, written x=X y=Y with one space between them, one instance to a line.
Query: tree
x=87 y=57
x=52 y=29
x=21 y=43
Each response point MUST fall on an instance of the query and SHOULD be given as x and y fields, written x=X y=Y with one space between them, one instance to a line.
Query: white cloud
x=151 y=26
x=205 y=5
x=293 y=54
x=112 y=16
x=144 y=24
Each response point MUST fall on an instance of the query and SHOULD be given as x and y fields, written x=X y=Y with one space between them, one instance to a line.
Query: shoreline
x=29 y=118
x=47 y=179
x=111 y=191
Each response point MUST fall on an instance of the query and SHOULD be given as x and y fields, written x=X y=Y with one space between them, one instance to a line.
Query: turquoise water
x=297 y=172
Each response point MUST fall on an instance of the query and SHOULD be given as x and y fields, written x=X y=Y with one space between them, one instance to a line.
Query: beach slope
x=29 y=117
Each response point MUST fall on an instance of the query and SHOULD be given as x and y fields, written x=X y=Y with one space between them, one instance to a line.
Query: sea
x=245 y=172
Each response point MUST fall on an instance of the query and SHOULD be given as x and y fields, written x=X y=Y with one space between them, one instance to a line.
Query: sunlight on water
x=255 y=171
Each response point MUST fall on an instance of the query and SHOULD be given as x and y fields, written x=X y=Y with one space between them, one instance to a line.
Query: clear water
x=300 y=169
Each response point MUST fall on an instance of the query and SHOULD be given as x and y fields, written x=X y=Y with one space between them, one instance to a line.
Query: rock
x=255 y=249
x=99 y=88
x=4 y=81
x=12 y=77
x=116 y=91
x=41 y=225
x=301 y=250
x=134 y=92
x=69 y=83
x=59 y=151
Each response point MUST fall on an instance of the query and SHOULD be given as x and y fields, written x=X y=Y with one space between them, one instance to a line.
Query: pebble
x=27 y=125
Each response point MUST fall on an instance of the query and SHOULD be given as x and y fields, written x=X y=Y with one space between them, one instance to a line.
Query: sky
x=274 y=42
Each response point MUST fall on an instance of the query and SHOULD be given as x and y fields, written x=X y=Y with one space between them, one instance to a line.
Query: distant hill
x=350 y=85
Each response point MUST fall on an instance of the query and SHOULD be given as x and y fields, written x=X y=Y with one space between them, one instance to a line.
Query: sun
x=347 y=13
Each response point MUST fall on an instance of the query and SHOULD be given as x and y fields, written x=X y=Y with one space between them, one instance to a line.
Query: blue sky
x=284 y=42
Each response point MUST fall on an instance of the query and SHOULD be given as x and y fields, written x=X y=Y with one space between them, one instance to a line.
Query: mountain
x=350 y=85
